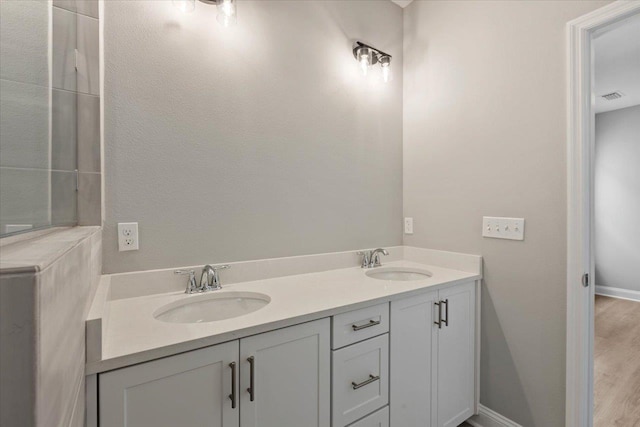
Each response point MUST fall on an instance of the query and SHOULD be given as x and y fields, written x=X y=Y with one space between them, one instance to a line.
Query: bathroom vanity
x=331 y=348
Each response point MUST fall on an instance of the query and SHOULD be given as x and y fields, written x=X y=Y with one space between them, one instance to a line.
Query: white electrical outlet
x=408 y=225
x=128 y=236
x=503 y=228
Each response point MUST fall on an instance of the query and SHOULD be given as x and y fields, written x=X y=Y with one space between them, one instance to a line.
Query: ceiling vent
x=613 y=95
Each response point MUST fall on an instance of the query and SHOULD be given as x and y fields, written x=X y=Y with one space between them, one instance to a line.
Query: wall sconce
x=367 y=56
x=227 y=12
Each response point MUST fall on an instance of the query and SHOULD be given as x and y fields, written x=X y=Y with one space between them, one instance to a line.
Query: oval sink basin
x=212 y=307
x=398 y=274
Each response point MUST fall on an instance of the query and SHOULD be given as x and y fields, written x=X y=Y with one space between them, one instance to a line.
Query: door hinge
x=585 y=280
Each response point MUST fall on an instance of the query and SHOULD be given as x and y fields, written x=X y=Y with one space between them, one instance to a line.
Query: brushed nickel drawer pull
x=372 y=378
x=446 y=312
x=232 y=396
x=365 y=326
x=439 y=322
x=252 y=379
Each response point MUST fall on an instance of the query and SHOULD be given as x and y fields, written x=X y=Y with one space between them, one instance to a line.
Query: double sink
x=211 y=307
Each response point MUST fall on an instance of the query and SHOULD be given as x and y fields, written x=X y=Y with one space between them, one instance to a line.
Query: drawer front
x=359 y=325
x=377 y=419
x=360 y=377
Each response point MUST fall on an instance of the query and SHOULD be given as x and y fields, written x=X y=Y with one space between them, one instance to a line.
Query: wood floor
x=617 y=363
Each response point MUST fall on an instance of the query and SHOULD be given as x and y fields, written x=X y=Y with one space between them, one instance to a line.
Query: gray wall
x=260 y=140
x=485 y=134
x=617 y=199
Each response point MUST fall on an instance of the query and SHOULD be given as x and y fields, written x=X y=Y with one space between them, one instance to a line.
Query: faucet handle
x=191 y=284
x=215 y=280
x=366 y=258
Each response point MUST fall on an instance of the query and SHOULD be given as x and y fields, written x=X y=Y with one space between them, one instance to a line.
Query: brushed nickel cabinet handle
x=439 y=322
x=232 y=396
x=446 y=312
x=252 y=379
x=372 y=378
x=365 y=326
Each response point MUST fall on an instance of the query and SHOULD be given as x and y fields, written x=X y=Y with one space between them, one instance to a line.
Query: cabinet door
x=456 y=355
x=189 y=389
x=285 y=375
x=360 y=382
x=413 y=333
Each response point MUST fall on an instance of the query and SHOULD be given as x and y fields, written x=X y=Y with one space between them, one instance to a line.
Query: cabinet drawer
x=360 y=380
x=377 y=419
x=359 y=325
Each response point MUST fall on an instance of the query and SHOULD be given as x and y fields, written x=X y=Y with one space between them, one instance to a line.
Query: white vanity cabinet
x=455 y=344
x=408 y=363
x=189 y=389
x=276 y=379
x=285 y=377
x=433 y=358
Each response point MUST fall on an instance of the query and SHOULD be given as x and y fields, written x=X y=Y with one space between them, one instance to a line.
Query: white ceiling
x=617 y=64
x=402 y=3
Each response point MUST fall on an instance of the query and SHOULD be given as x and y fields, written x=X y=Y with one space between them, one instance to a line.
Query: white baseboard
x=618 y=293
x=489 y=418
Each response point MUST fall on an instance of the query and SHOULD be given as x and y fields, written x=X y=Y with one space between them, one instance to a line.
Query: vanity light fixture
x=227 y=12
x=184 y=6
x=367 y=56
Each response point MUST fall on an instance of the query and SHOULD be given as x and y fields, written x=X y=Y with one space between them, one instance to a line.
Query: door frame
x=580 y=207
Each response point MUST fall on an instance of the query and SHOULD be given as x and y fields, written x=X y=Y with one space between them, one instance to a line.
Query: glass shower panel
x=38 y=125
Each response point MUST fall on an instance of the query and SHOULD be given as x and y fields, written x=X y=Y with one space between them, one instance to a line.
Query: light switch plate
x=128 y=236
x=503 y=228
x=408 y=225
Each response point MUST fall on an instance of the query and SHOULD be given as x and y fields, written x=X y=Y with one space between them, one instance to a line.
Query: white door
x=412 y=334
x=285 y=376
x=456 y=355
x=190 y=389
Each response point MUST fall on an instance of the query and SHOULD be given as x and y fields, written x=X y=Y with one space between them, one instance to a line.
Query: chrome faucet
x=209 y=279
x=371 y=259
x=375 y=257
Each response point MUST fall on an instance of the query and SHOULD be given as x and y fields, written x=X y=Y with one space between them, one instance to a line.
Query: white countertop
x=133 y=335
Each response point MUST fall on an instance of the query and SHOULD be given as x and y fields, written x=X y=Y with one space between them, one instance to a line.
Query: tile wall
x=43 y=306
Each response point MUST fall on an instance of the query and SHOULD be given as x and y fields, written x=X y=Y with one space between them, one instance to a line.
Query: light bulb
x=185 y=6
x=227 y=14
x=386 y=73
x=385 y=64
x=364 y=59
x=364 y=65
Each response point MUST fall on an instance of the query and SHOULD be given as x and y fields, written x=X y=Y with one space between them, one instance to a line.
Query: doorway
x=581 y=220
x=616 y=240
